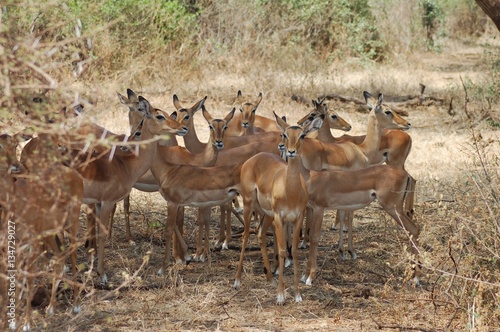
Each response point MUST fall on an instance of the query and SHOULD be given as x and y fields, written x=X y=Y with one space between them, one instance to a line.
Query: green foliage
x=432 y=20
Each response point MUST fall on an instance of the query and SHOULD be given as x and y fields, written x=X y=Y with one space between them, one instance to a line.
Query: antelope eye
x=302 y=136
x=186 y=117
x=211 y=127
x=253 y=111
x=388 y=112
x=160 y=117
x=224 y=128
x=335 y=117
x=241 y=110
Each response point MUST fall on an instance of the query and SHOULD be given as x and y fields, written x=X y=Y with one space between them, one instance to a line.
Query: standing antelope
x=278 y=190
x=109 y=181
x=39 y=206
x=354 y=156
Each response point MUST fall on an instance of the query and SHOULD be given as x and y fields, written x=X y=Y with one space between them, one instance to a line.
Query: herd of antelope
x=284 y=174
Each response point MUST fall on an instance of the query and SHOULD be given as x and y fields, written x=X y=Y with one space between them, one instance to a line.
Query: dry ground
x=353 y=295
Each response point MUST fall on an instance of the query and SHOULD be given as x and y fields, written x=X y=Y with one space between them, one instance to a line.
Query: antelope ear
x=239 y=97
x=132 y=97
x=370 y=100
x=229 y=116
x=199 y=104
x=206 y=115
x=282 y=124
x=174 y=115
x=124 y=100
x=259 y=99
x=177 y=103
x=144 y=106
x=314 y=125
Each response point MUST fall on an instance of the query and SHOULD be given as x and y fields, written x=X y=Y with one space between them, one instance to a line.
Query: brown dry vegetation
x=455 y=159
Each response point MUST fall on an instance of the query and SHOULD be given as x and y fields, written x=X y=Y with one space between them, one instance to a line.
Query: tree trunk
x=492 y=9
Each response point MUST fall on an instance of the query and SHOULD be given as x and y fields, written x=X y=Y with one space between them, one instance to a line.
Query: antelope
x=394 y=148
x=109 y=181
x=278 y=190
x=207 y=158
x=188 y=185
x=352 y=190
x=41 y=205
x=247 y=122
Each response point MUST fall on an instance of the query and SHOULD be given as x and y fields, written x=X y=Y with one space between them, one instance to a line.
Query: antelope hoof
x=237 y=284
x=77 y=309
x=12 y=326
x=353 y=255
x=131 y=242
x=104 y=279
x=298 y=298
x=161 y=272
x=280 y=300
x=50 y=311
x=343 y=255
x=199 y=258
x=288 y=262
x=26 y=327
x=224 y=246
x=303 y=245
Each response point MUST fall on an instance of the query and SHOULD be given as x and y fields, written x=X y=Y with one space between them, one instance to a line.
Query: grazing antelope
x=277 y=190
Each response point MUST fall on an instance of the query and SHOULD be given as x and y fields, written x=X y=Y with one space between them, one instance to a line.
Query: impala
x=394 y=148
x=352 y=190
x=206 y=158
x=278 y=190
x=247 y=122
x=40 y=205
x=109 y=181
x=188 y=185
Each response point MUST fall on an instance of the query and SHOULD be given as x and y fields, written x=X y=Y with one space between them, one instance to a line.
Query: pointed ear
x=314 y=125
x=132 y=97
x=174 y=115
x=315 y=103
x=370 y=100
x=206 y=115
x=122 y=98
x=199 y=104
x=144 y=106
x=259 y=99
x=177 y=103
x=282 y=124
x=239 y=97
x=229 y=116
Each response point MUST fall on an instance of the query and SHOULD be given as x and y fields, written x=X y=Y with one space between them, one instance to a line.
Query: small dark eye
x=186 y=117
x=253 y=111
x=160 y=117
x=388 y=112
x=224 y=128
x=211 y=127
x=241 y=110
x=302 y=136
